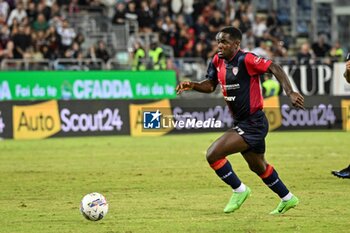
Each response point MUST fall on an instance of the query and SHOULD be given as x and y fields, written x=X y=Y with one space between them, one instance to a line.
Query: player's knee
x=211 y=155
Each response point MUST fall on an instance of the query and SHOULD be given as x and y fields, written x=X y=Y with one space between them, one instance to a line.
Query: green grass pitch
x=164 y=184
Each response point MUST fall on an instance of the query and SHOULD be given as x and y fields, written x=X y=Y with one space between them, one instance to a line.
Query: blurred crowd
x=37 y=29
x=190 y=27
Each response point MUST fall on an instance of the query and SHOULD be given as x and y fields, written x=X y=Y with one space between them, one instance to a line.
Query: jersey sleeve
x=256 y=65
x=212 y=73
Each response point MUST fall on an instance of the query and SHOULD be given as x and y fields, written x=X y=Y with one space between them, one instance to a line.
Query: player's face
x=227 y=47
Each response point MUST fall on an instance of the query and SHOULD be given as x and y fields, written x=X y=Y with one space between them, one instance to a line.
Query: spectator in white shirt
x=4 y=10
x=67 y=35
x=18 y=13
x=262 y=50
x=259 y=26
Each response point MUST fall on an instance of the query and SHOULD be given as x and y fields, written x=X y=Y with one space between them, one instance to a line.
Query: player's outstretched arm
x=296 y=98
x=205 y=86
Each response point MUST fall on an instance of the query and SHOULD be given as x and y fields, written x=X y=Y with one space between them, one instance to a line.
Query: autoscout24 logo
x=155 y=119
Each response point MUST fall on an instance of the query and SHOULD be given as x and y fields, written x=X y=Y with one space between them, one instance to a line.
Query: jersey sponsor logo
x=230 y=98
x=257 y=60
x=235 y=70
x=232 y=86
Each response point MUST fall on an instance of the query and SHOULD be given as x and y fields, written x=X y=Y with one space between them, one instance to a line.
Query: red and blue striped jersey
x=240 y=82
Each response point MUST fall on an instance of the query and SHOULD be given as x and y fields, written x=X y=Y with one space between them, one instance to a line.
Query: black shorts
x=254 y=130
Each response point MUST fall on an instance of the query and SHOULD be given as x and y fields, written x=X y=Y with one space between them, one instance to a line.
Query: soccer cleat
x=345 y=173
x=237 y=200
x=284 y=206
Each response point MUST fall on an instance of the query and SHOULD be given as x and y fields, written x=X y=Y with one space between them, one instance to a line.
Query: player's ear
x=238 y=43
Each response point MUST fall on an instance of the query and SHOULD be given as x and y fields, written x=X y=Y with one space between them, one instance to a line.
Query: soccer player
x=345 y=173
x=238 y=74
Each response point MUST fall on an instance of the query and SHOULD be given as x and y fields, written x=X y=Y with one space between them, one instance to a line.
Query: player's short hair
x=234 y=33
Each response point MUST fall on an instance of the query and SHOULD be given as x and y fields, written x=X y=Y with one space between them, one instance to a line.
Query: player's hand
x=184 y=86
x=348 y=66
x=297 y=100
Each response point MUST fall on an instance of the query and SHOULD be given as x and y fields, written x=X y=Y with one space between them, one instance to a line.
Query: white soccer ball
x=94 y=206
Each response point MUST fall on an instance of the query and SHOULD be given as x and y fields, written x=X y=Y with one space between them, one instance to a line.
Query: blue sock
x=224 y=170
x=271 y=179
